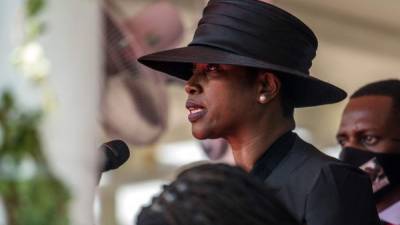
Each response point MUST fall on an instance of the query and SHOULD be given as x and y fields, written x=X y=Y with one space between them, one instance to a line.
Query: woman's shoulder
x=306 y=158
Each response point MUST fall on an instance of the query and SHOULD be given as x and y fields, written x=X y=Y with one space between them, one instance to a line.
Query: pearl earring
x=263 y=98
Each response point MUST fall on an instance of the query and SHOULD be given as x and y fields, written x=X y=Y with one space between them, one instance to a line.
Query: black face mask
x=383 y=168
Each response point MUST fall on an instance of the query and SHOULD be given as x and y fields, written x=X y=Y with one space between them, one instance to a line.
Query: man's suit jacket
x=320 y=190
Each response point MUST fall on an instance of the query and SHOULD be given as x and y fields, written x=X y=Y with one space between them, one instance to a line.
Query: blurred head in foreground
x=214 y=194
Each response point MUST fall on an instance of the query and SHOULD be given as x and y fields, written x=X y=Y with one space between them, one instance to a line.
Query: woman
x=247 y=68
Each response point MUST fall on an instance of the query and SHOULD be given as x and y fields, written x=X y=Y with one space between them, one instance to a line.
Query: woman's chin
x=199 y=133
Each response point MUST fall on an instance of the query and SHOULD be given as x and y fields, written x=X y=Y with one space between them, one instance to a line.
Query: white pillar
x=72 y=43
x=8 y=15
x=8 y=10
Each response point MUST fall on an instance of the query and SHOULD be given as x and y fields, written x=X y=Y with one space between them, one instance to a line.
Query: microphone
x=116 y=153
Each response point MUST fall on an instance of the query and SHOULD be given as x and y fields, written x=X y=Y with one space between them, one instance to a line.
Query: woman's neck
x=250 y=144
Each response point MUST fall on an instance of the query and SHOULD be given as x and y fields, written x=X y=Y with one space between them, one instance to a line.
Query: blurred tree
x=31 y=193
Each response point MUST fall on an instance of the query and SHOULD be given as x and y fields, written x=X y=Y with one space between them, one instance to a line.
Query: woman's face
x=221 y=99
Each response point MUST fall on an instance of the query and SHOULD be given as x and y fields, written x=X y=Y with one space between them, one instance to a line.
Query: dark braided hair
x=215 y=194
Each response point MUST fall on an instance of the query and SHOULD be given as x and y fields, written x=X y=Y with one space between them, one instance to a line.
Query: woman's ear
x=269 y=86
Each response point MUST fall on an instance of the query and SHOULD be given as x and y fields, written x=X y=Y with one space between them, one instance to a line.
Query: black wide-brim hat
x=254 y=34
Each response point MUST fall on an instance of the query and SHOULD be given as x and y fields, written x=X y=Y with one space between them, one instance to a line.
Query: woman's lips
x=196 y=114
x=196 y=111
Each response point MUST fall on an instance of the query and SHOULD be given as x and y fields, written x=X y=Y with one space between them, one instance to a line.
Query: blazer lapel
x=295 y=158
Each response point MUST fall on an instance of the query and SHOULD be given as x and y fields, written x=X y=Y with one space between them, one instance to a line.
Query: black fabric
x=355 y=157
x=382 y=166
x=255 y=34
x=273 y=155
x=389 y=162
x=320 y=190
x=255 y=29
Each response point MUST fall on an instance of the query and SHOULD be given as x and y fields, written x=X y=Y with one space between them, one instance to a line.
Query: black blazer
x=320 y=190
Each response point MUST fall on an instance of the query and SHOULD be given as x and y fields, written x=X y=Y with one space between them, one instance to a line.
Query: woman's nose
x=192 y=89
x=192 y=86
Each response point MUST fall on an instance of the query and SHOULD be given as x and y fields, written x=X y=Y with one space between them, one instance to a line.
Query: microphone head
x=116 y=153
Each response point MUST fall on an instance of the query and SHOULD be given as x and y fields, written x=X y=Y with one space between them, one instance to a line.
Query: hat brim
x=306 y=90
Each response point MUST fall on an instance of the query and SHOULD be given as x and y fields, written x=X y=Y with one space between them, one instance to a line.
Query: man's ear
x=269 y=86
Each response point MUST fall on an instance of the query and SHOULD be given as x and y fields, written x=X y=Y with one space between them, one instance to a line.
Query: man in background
x=369 y=134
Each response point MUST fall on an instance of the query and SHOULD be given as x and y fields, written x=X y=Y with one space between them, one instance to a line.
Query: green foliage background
x=38 y=198
x=31 y=194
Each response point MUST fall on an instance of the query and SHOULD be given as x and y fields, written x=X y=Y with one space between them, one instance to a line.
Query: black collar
x=273 y=155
